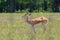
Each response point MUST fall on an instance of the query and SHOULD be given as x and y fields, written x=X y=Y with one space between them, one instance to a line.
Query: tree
x=45 y=5
x=11 y=4
x=2 y=5
x=55 y=5
x=31 y=6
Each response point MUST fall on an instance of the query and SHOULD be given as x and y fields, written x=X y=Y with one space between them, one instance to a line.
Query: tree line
x=29 y=5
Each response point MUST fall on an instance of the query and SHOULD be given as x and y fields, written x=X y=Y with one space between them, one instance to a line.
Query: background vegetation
x=29 y=5
x=12 y=27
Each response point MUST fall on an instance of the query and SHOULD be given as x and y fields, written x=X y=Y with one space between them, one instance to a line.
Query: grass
x=12 y=27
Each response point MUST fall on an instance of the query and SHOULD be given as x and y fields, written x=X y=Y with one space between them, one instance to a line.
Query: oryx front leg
x=34 y=28
x=44 y=27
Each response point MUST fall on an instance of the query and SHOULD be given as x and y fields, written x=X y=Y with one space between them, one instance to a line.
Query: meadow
x=13 y=27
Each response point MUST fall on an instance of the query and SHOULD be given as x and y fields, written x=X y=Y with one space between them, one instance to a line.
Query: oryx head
x=25 y=16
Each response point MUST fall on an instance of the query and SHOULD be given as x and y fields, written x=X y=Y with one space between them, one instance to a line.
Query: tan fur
x=37 y=20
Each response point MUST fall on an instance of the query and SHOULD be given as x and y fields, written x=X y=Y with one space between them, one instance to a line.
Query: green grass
x=12 y=27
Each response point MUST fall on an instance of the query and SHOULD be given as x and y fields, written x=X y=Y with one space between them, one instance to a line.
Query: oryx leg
x=34 y=28
x=44 y=26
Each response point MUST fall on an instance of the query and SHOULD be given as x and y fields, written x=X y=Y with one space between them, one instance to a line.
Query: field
x=13 y=27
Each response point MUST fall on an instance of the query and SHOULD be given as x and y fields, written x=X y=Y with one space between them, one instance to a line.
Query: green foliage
x=23 y=1
x=37 y=4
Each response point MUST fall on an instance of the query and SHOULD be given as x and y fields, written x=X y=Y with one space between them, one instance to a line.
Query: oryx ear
x=29 y=13
x=26 y=13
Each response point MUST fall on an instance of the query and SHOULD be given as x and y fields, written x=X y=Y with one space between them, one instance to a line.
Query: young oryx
x=34 y=21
